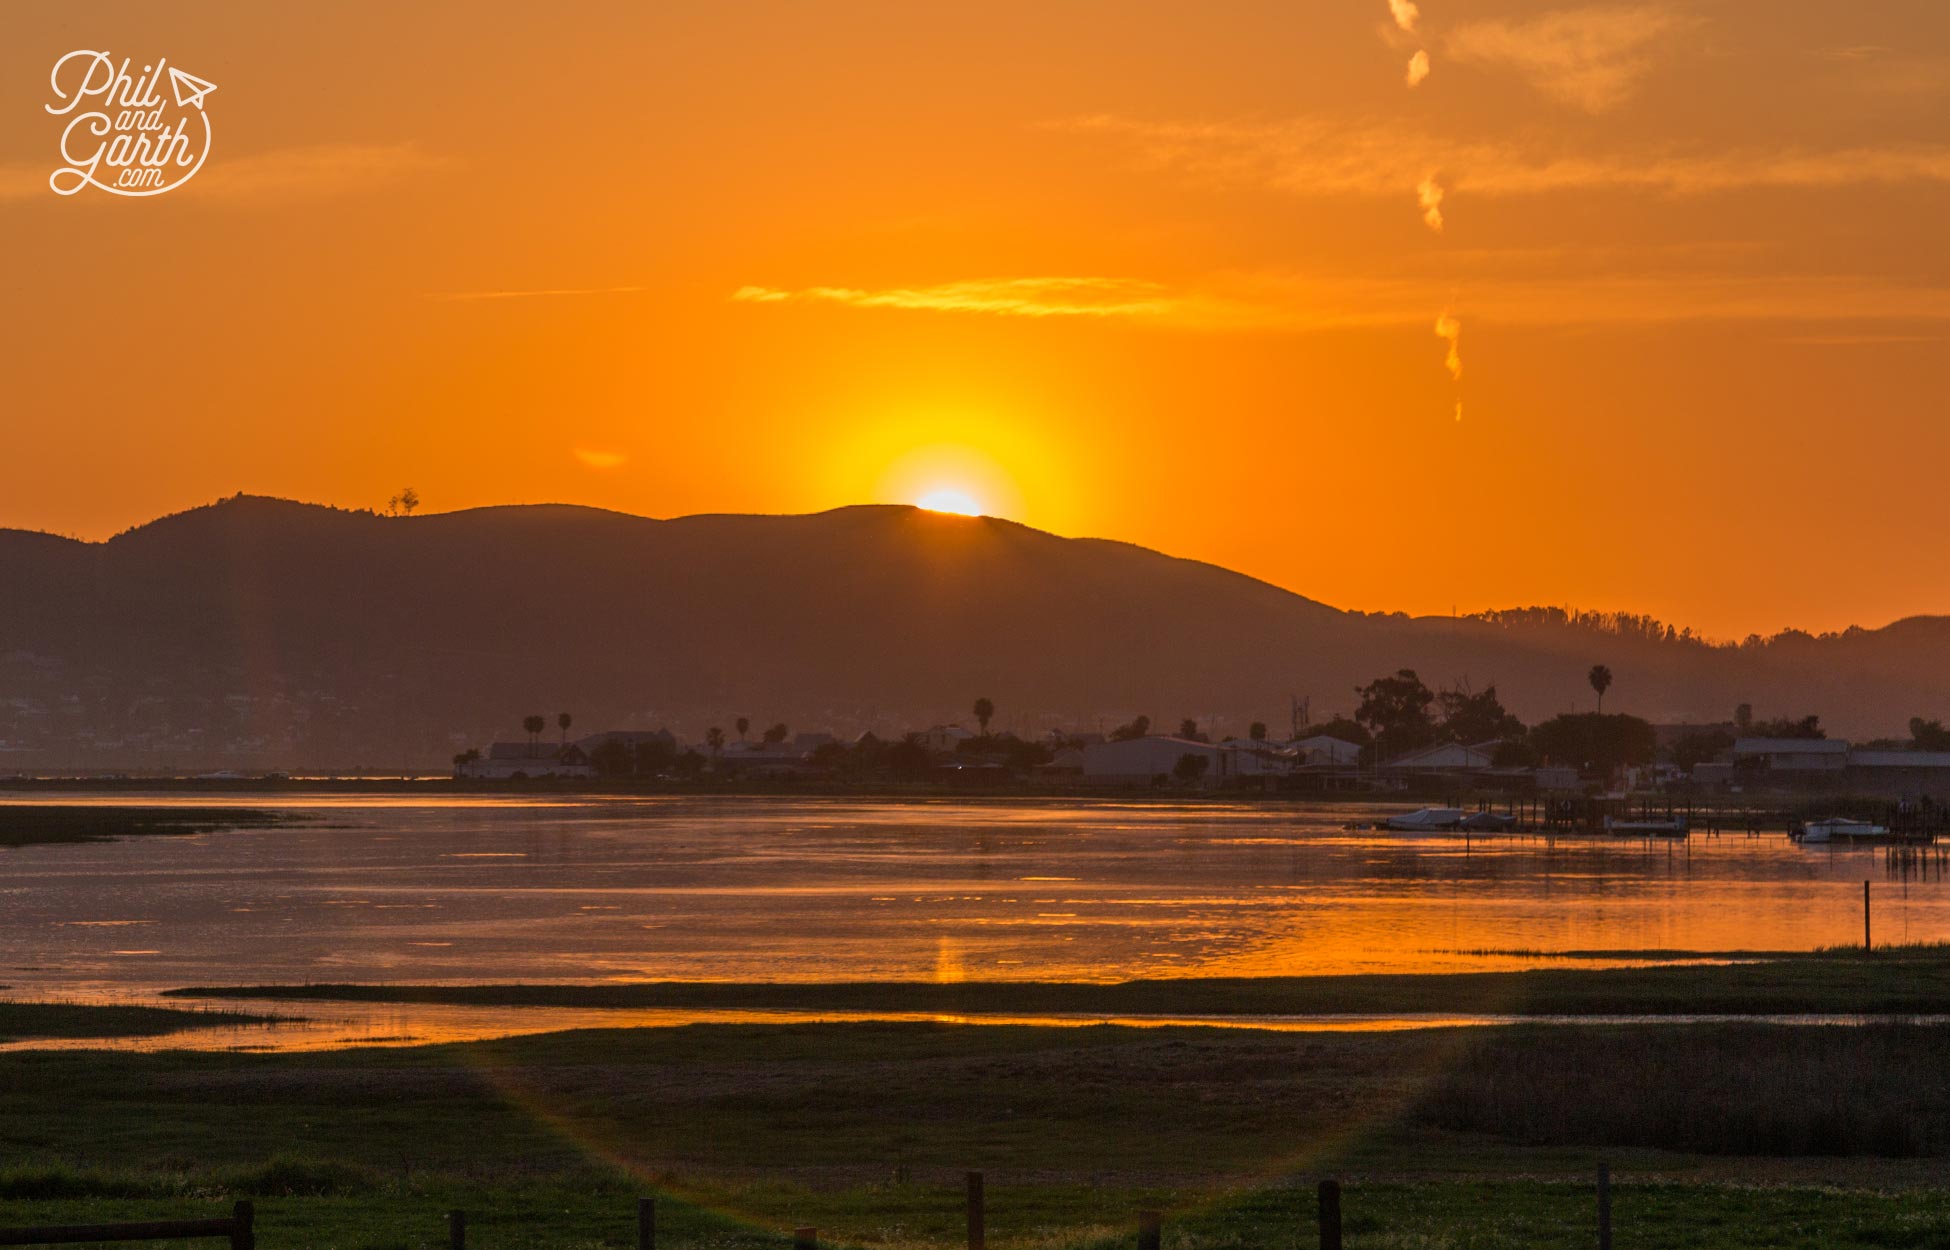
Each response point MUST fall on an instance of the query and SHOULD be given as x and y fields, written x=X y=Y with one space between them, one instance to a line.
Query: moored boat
x=1427 y=819
x=1840 y=829
x=1648 y=826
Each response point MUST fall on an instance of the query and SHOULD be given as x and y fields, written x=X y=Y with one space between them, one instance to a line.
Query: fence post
x=1604 y=1206
x=1330 y=1215
x=456 y=1230
x=805 y=1239
x=243 y=1231
x=1150 y=1230
x=646 y=1224
x=1867 y=948
x=978 y=1234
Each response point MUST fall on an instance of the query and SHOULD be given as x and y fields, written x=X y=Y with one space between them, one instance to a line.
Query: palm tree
x=714 y=738
x=534 y=725
x=744 y=724
x=1601 y=682
x=562 y=721
x=984 y=712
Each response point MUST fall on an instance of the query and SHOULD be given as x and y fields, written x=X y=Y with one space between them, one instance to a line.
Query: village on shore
x=1401 y=737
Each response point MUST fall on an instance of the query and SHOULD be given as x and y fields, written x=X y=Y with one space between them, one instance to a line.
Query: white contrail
x=1405 y=14
x=1418 y=67
x=1449 y=328
x=1428 y=195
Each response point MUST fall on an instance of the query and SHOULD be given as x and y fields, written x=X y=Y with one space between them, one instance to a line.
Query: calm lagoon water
x=381 y=888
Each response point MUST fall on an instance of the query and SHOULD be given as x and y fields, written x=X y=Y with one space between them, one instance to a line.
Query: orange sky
x=1146 y=271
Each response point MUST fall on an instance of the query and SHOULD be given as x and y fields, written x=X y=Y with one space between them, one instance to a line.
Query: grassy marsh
x=862 y=1130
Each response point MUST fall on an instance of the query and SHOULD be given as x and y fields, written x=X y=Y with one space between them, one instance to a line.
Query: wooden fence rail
x=237 y=1229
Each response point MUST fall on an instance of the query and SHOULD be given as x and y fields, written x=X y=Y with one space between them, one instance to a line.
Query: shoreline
x=1891 y=982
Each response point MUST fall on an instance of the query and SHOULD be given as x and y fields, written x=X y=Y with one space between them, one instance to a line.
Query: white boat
x=1840 y=829
x=1427 y=818
x=1648 y=826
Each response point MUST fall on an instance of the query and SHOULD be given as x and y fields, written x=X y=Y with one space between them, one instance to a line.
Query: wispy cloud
x=284 y=173
x=1449 y=329
x=1405 y=14
x=1909 y=78
x=1302 y=303
x=1010 y=297
x=1418 y=68
x=1590 y=58
x=598 y=458
x=1320 y=156
x=1428 y=197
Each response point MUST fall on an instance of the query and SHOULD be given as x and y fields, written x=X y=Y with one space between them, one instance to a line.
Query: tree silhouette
x=1188 y=730
x=1928 y=735
x=403 y=503
x=562 y=721
x=1257 y=731
x=1600 y=681
x=534 y=725
x=714 y=738
x=465 y=758
x=776 y=734
x=984 y=712
x=1138 y=728
x=1397 y=708
x=1469 y=718
x=743 y=724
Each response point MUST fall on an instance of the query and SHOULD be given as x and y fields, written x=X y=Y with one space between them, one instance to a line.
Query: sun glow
x=949 y=499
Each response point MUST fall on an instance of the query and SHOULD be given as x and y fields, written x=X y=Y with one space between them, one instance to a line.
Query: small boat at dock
x=1648 y=826
x=1840 y=829
x=1427 y=820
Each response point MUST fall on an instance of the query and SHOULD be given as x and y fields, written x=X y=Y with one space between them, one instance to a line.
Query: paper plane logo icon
x=189 y=89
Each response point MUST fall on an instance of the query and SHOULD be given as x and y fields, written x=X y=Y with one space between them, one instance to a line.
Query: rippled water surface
x=385 y=889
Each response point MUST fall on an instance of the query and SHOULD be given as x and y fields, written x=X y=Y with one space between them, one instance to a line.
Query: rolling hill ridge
x=274 y=633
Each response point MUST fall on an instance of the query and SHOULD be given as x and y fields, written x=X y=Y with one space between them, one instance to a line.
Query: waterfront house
x=505 y=761
x=944 y=739
x=1447 y=757
x=1900 y=774
x=1790 y=755
x=1322 y=750
x=1145 y=761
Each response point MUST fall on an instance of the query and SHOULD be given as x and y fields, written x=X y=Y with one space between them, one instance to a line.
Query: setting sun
x=948 y=499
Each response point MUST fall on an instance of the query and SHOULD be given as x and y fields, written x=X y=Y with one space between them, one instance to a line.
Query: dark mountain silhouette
x=262 y=631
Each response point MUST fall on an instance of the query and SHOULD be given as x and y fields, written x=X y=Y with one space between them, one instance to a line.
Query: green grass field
x=1894 y=981
x=37 y=1021
x=33 y=824
x=1446 y=1138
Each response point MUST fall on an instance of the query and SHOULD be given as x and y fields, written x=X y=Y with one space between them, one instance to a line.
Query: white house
x=1249 y=757
x=1556 y=777
x=506 y=760
x=1141 y=761
x=1451 y=757
x=1800 y=755
x=945 y=738
x=1901 y=774
x=1323 y=750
